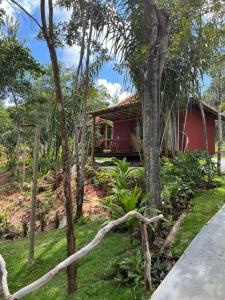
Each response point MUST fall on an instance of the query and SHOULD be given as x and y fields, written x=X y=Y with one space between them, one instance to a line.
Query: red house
x=121 y=134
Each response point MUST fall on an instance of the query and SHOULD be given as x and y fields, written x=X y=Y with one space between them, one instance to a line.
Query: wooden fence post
x=34 y=194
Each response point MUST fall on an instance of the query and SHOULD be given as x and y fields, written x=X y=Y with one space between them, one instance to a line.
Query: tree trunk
x=157 y=22
x=220 y=127
x=204 y=125
x=24 y=162
x=48 y=34
x=17 y=139
x=81 y=176
x=34 y=195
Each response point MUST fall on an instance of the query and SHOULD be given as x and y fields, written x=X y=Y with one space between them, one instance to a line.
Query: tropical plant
x=121 y=174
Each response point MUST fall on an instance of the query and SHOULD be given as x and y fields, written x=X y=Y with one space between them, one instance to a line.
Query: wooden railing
x=82 y=252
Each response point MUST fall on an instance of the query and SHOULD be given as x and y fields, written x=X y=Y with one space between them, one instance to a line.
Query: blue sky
x=108 y=77
x=28 y=30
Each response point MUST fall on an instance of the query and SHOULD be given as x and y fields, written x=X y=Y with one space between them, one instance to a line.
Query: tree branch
x=3 y=278
x=26 y=12
x=82 y=252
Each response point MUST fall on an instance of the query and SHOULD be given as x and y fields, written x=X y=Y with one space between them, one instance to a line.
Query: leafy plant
x=3 y=222
x=128 y=270
x=120 y=174
x=102 y=178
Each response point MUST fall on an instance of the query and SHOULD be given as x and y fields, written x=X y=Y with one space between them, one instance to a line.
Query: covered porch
x=125 y=137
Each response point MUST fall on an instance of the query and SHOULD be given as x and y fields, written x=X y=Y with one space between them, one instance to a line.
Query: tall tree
x=48 y=32
x=157 y=20
x=140 y=31
x=50 y=38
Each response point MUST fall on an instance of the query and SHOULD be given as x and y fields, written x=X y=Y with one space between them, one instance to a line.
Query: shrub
x=103 y=179
x=187 y=172
x=3 y=222
x=127 y=270
x=121 y=174
x=46 y=165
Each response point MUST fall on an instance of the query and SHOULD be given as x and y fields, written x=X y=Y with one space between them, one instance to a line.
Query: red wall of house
x=195 y=131
x=121 y=135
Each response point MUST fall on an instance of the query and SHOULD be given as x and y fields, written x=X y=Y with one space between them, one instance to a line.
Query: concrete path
x=222 y=165
x=200 y=272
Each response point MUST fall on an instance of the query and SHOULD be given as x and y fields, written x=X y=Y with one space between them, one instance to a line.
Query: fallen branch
x=147 y=257
x=3 y=278
x=83 y=251
x=172 y=233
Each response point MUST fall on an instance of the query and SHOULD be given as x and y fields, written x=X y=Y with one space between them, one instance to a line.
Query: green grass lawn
x=51 y=249
x=204 y=206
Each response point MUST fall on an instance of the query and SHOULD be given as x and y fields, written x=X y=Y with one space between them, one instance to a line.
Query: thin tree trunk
x=17 y=139
x=24 y=162
x=184 y=128
x=157 y=22
x=220 y=127
x=201 y=111
x=81 y=178
x=49 y=37
x=34 y=195
x=204 y=125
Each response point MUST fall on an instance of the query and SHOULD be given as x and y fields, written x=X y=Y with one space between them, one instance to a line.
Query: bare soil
x=50 y=200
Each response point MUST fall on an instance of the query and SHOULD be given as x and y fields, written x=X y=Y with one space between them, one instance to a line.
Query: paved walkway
x=200 y=272
x=222 y=165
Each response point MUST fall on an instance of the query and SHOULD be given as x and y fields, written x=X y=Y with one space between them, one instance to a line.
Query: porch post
x=93 y=142
x=106 y=136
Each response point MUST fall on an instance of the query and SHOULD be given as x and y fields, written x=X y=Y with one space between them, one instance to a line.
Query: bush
x=3 y=222
x=127 y=270
x=46 y=165
x=182 y=176
x=103 y=179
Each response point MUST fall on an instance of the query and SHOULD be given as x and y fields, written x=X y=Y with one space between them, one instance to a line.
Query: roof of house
x=130 y=107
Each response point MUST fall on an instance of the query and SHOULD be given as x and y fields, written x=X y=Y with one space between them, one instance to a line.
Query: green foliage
x=102 y=178
x=50 y=249
x=3 y=222
x=128 y=270
x=186 y=173
x=46 y=165
x=204 y=205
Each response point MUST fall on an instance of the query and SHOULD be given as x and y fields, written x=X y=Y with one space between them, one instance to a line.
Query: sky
x=109 y=78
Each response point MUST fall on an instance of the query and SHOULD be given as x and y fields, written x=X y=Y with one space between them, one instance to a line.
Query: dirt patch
x=50 y=202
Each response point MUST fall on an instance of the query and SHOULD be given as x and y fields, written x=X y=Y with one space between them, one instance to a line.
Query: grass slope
x=204 y=206
x=51 y=249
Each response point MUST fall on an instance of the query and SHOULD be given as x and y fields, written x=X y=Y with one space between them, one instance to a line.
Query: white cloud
x=114 y=89
x=12 y=10
x=70 y=55
x=31 y=6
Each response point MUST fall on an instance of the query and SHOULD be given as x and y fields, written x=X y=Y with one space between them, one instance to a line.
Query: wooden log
x=147 y=257
x=82 y=252
x=173 y=232
x=3 y=279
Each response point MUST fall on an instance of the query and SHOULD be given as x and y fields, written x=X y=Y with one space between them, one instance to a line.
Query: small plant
x=120 y=174
x=102 y=179
x=128 y=270
x=82 y=220
x=3 y=222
